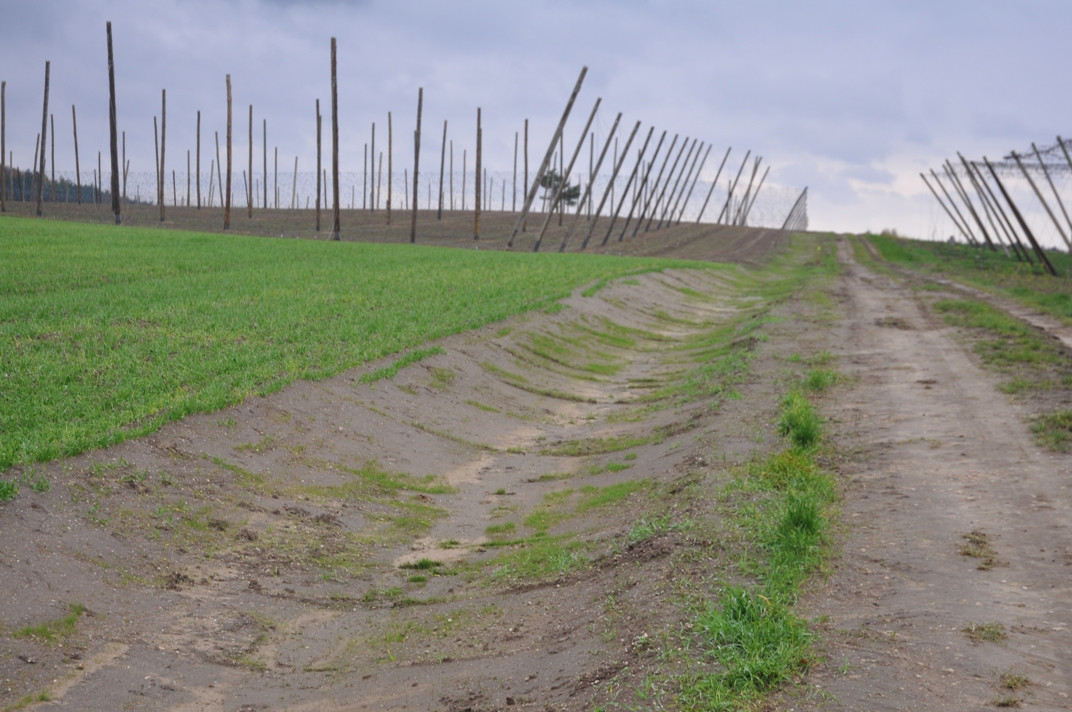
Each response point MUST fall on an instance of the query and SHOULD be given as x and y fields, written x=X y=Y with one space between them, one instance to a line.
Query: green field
x=106 y=333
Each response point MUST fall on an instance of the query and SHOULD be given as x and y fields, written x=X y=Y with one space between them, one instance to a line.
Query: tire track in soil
x=936 y=452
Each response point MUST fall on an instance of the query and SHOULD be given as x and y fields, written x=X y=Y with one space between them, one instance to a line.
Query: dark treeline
x=20 y=185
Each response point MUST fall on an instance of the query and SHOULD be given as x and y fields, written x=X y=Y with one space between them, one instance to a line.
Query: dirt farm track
x=202 y=554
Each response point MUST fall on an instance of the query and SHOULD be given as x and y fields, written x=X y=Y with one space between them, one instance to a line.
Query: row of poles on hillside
x=656 y=199
x=994 y=219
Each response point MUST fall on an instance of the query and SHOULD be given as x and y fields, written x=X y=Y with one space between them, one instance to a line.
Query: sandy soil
x=236 y=561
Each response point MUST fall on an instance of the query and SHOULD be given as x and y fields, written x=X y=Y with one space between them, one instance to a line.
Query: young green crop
x=107 y=333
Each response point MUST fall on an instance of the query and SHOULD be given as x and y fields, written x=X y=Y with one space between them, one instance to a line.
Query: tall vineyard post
x=227 y=193
x=44 y=131
x=112 y=131
x=531 y=195
x=562 y=182
x=416 y=163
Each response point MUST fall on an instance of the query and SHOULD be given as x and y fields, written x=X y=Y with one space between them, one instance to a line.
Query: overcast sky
x=851 y=98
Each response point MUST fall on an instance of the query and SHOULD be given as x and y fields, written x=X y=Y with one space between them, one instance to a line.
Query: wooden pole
x=318 y=166
x=525 y=186
x=531 y=195
x=249 y=185
x=364 y=180
x=759 y=186
x=951 y=174
x=1038 y=155
x=163 y=134
x=1038 y=194
x=747 y=191
x=264 y=155
x=628 y=183
x=513 y=187
x=1039 y=252
x=963 y=221
x=197 y=179
x=642 y=185
x=416 y=163
x=672 y=200
x=77 y=168
x=592 y=171
x=649 y=203
x=477 y=181
x=113 y=130
x=3 y=147
x=390 y=163
x=617 y=164
x=1003 y=219
x=294 y=187
x=335 y=228
x=569 y=169
x=695 y=181
x=673 y=189
x=211 y=181
x=219 y=167
x=227 y=193
x=442 y=167
x=52 y=156
x=44 y=143
x=733 y=186
x=991 y=215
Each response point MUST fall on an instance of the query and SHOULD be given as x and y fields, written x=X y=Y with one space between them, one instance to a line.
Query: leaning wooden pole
x=1038 y=194
x=77 y=168
x=694 y=176
x=966 y=199
x=44 y=143
x=335 y=229
x=1003 y=219
x=733 y=186
x=569 y=169
x=416 y=164
x=546 y=159
x=642 y=185
x=988 y=210
x=113 y=131
x=713 y=184
x=956 y=222
x=1038 y=155
x=969 y=234
x=592 y=172
x=227 y=193
x=628 y=184
x=1039 y=252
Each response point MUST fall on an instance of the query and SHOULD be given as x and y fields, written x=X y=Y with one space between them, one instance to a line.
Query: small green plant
x=1014 y=681
x=985 y=632
x=41 y=484
x=9 y=490
x=1054 y=431
x=54 y=631
x=799 y=421
x=977 y=546
x=820 y=379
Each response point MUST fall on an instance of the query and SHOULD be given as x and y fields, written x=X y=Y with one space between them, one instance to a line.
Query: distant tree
x=550 y=182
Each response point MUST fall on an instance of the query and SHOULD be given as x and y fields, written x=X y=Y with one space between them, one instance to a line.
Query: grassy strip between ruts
x=989 y=269
x=750 y=633
x=107 y=333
